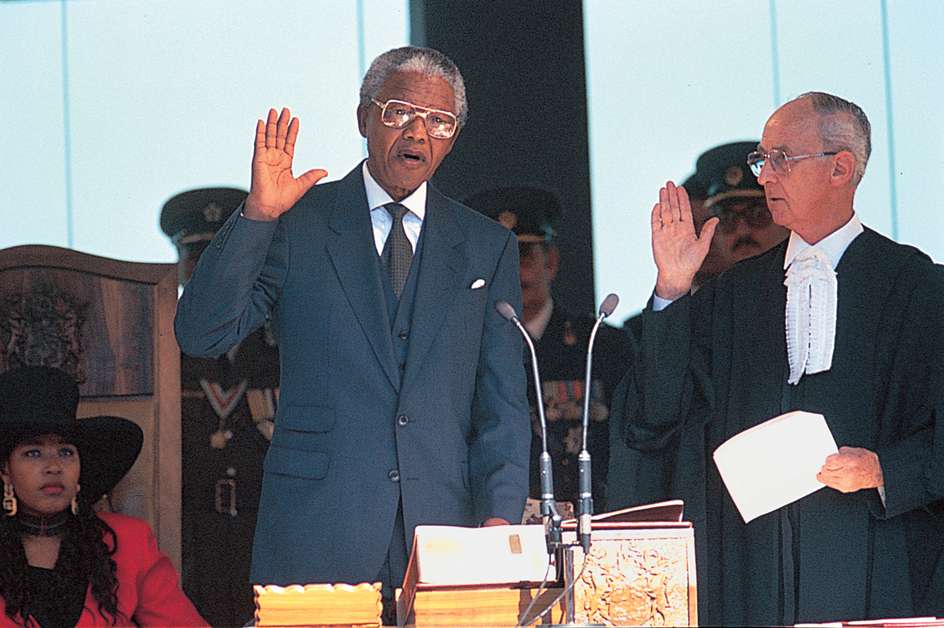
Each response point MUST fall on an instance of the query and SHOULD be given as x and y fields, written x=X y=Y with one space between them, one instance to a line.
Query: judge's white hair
x=843 y=126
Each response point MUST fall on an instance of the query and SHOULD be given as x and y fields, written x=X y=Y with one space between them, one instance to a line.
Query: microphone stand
x=585 y=498
x=549 y=514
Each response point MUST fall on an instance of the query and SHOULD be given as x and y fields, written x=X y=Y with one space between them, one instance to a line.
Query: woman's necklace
x=51 y=525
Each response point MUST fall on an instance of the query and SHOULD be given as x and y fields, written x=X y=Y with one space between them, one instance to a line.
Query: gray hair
x=413 y=59
x=843 y=126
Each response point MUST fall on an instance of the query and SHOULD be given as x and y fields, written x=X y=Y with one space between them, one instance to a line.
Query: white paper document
x=775 y=463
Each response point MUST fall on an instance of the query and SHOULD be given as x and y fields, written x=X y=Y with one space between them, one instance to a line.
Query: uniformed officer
x=723 y=186
x=733 y=194
x=228 y=407
x=560 y=339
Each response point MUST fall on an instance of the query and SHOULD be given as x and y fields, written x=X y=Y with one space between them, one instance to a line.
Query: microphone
x=585 y=498
x=552 y=519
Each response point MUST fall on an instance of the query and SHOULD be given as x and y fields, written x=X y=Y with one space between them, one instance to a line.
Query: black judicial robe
x=714 y=364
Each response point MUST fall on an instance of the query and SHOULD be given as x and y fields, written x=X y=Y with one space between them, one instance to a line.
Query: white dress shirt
x=381 y=219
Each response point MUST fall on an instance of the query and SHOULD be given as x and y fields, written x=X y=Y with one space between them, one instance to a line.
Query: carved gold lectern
x=638 y=574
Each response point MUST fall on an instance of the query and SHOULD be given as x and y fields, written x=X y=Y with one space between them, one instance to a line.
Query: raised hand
x=274 y=188
x=677 y=249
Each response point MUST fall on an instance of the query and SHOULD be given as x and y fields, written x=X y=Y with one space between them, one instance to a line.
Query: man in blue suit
x=402 y=396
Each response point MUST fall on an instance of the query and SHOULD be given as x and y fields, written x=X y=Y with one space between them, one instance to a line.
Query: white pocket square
x=478 y=283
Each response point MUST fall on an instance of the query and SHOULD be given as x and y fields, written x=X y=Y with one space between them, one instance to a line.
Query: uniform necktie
x=397 y=251
x=811 y=313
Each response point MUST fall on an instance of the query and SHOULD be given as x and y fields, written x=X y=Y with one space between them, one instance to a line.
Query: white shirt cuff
x=658 y=303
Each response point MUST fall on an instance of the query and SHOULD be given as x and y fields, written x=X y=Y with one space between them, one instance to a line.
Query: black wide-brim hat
x=37 y=400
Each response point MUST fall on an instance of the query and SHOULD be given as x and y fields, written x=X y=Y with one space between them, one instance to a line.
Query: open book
x=775 y=463
x=661 y=512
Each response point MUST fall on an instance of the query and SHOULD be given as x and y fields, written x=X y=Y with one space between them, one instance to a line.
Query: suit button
x=403 y=419
x=403 y=335
x=394 y=476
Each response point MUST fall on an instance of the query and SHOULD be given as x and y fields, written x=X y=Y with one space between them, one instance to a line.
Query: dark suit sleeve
x=499 y=451
x=232 y=288
x=655 y=396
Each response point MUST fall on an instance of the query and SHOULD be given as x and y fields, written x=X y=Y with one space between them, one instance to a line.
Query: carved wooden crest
x=43 y=327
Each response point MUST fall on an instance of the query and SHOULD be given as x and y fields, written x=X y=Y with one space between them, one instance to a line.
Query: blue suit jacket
x=448 y=434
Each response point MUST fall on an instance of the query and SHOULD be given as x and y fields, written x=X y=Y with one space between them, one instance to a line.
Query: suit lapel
x=443 y=262
x=359 y=274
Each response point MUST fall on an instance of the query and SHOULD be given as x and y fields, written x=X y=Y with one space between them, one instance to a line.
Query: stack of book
x=482 y=606
x=464 y=577
x=318 y=605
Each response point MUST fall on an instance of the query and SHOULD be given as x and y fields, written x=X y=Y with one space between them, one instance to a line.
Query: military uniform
x=562 y=361
x=530 y=212
x=227 y=411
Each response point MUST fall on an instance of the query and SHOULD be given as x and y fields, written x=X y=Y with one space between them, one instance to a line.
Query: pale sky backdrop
x=110 y=107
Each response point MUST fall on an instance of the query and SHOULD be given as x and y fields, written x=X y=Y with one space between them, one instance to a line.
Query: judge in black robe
x=724 y=347
x=713 y=364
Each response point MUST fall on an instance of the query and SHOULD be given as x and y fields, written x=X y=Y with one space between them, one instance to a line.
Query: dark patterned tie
x=397 y=252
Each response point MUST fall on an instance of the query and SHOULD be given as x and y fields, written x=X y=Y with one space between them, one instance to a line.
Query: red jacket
x=148 y=589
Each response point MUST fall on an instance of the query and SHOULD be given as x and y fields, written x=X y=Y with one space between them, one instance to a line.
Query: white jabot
x=812 y=289
x=380 y=218
x=811 y=313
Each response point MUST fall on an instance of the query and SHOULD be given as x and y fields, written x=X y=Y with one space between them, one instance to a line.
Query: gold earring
x=75 y=500
x=9 y=500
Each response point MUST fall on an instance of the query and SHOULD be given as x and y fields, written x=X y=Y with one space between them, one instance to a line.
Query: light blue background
x=164 y=97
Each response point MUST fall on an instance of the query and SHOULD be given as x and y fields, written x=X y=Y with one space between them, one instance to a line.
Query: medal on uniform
x=263 y=403
x=570 y=339
x=219 y=438
x=224 y=401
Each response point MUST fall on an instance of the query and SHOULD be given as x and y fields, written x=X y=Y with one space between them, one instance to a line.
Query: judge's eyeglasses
x=778 y=159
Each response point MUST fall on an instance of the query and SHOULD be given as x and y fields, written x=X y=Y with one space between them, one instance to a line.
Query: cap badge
x=213 y=213
x=733 y=176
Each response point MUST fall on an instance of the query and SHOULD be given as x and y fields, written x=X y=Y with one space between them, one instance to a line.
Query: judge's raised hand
x=677 y=249
x=852 y=469
x=274 y=188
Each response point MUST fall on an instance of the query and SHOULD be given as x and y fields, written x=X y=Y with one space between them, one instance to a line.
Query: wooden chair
x=109 y=323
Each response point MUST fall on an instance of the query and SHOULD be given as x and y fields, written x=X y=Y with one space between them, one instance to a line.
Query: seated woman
x=62 y=564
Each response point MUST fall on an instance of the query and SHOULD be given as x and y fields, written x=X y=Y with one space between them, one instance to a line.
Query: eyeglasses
x=756 y=215
x=397 y=114
x=778 y=160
